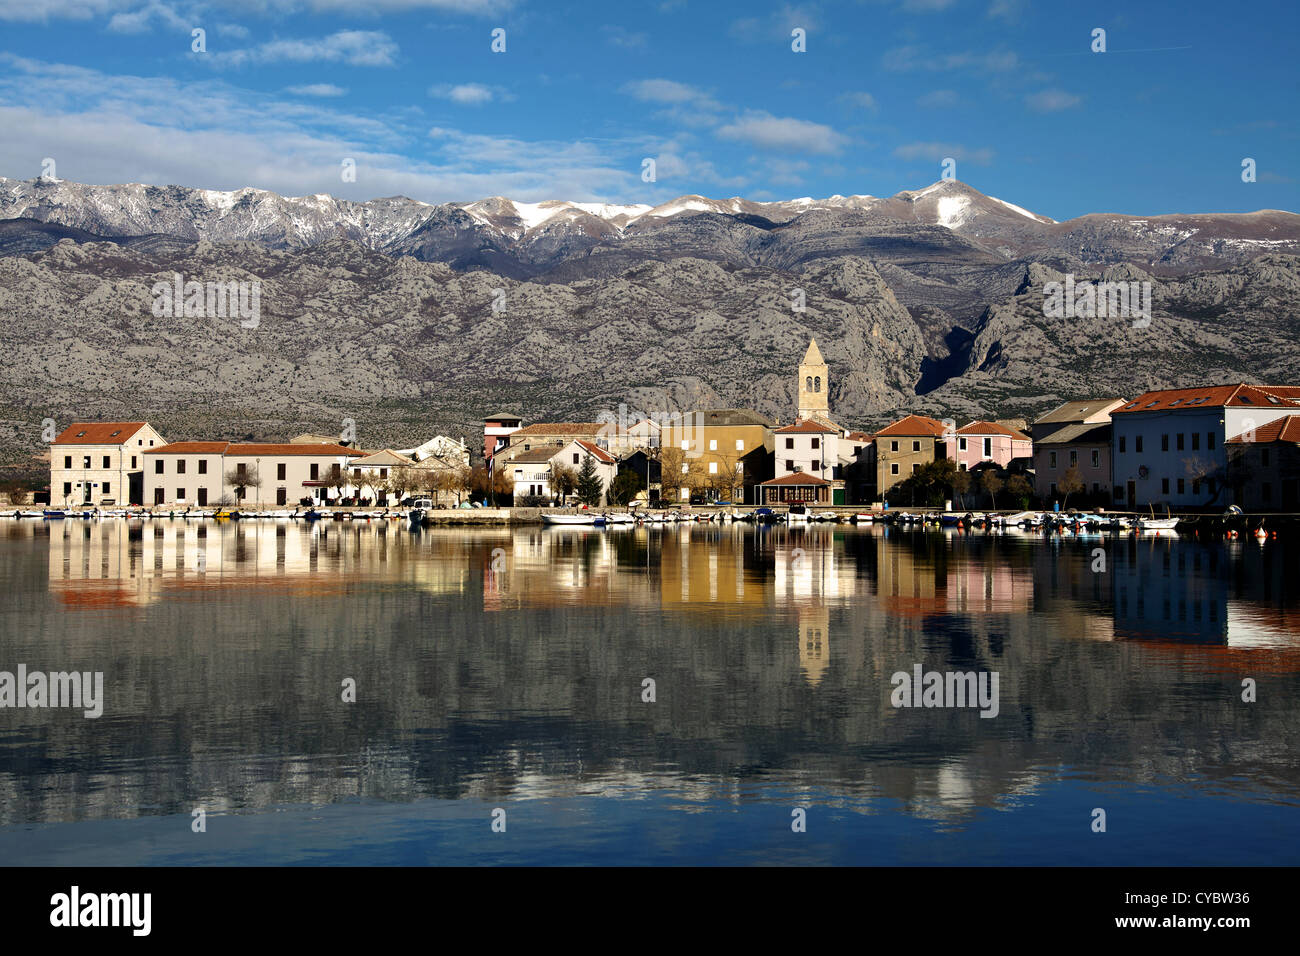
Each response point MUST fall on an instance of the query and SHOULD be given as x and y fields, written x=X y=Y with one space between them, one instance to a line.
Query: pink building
x=497 y=430
x=981 y=442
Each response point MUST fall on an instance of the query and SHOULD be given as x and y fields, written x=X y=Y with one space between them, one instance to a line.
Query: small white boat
x=199 y=514
x=31 y=514
x=8 y=514
x=584 y=519
x=1157 y=524
x=620 y=519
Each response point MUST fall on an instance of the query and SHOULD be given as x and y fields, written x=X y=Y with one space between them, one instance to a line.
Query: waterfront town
x=1202 y=448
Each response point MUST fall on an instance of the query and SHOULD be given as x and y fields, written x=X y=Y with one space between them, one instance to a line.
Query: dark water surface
x=503 y=668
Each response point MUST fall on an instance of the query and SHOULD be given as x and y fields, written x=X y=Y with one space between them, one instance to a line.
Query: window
x=203 y=466
x=575 y=458
x=915 y=468
x=713 y=444
x=133 y=462
x=789 y=443
x=1196 y=482
x=383 y=472
x=67 y=487
x=180 y=466
x=740 y=444
x=961 y=444
x=962 y=466
x=816 y=465
x=1196 y=441
x=893 y=446
x=157 y=466
x=1164 y=486
x=315 y=471
x=988 y=448
x=789 y=464
x=85 y=461
x=893 y=469
x=180 y=494
x=807 y=383
x=1209 y=440
x=1137 y=444
x=817 y=384
x=1074 y=458
x=1164 y=442
x=1096 y=458
x=713 y=468
x=67 y=461
x=916 y=446
x=816 y=443
x=1121 y=443
x=280 y=468
x=1180 y=441
x=1181 y=489
x=106 y=462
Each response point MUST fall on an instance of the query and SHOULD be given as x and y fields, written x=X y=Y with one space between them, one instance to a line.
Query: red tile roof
x=98 y=433
x=799 y=478
x=806 y=427
x=559 y=428
x=244 y=450
x=1213 y=396
x=1281 y=429
x=190 y=448
x=913 y=426
x=860 y=437
x=597 y=452
x=991 y=428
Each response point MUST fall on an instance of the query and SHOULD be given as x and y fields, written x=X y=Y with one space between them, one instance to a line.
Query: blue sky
x=584 y=92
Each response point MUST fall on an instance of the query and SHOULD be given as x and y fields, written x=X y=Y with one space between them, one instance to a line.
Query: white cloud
x=135 y=11
x=905 y=59
x=469 y=94
x=939 y=99
x=317 y=89
x=862 y=100
x=783 y=133
x=103 y=128
x=353 y=47
x=1051 y=101
x=662 y=91
x=936 y=152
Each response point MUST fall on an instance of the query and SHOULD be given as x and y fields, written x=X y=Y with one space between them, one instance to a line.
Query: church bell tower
x=814 y=385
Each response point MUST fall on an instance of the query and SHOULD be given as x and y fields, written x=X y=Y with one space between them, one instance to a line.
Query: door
x=88 y=492
x=281 y=496
x=157 y=496
x=203 y=497
x=1131 y=491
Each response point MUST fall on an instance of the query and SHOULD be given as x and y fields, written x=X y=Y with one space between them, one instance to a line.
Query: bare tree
x=1071 y=483
x=243 y=478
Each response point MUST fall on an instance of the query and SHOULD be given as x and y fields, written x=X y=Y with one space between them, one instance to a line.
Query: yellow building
x=721 y=453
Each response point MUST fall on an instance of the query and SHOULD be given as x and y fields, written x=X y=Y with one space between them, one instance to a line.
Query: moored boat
x=564 y=520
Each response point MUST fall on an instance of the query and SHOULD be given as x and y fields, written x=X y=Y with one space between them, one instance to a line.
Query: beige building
x=904 y=446
x=100 y=463
x=206 y=474
x=1075 y=435
x=533 y=471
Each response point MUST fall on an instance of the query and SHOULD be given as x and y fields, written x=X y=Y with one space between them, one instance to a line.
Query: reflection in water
x=508 y=664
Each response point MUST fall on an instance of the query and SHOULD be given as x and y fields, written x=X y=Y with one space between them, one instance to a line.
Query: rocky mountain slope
x=383 y=312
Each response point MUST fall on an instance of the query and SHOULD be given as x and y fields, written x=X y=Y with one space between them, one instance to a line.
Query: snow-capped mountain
x=560 y=237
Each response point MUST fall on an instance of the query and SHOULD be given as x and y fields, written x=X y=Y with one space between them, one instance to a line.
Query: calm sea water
x=503 y=669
